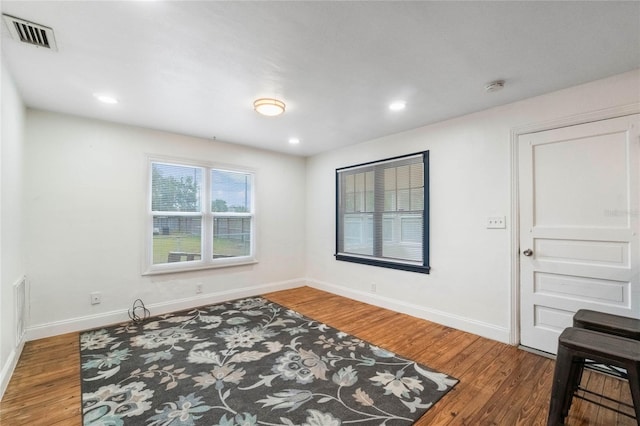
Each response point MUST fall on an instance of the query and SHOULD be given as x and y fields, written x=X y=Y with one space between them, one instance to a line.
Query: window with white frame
x=382 y=213
x=199 y=217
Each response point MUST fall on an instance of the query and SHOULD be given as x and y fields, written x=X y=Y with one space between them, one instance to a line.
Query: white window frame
x=206 y=260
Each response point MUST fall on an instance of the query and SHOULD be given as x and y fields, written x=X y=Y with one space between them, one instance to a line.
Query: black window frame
x=424 y=268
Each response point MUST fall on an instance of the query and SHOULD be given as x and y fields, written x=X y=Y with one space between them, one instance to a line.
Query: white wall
x=12 y=267
x=470 y=160
x=84 y=217
x=85 y=207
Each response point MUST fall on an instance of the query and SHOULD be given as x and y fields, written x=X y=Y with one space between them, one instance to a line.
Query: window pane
x=369 y=187
x=230 y=191
x=390 y=179
x=346 y=188
x=360 y=182
x=389 y=201
x=387 y=228
x=369 y=198
x=403 y=200
x=231 y=237
x=350 y=206
x=417 y=199
x=359 y=202
x=358 y=230
x=417 y=176
x=359 y=193
x=176 y=239
x=350 y=184
x=175 y=188
x=352 y=232
x=406 y=241
x=402 y=177
x=411 y=229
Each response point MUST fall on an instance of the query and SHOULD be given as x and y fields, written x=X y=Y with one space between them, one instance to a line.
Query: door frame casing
x=516 y=132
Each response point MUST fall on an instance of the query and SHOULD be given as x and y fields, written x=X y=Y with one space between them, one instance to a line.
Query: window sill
x=200 y=267
x=384 y=264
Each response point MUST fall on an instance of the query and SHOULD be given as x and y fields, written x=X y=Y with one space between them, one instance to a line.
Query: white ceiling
x=196 y=67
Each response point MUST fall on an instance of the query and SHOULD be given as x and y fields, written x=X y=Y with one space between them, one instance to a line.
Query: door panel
x=575 y=179
x=580 y=252
x=579 y=189
x=614 y=293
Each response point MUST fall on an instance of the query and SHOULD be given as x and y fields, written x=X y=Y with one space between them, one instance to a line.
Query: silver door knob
x=528 y=252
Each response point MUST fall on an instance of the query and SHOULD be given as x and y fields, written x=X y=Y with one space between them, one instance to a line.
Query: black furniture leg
x=561 y=387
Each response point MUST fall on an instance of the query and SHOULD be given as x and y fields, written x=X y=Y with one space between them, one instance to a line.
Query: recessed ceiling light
x=397 y=105
x=294 y=141
x=107 y=99
x=268 y=106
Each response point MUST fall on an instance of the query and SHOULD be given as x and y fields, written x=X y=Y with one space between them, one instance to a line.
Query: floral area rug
x=248 y=362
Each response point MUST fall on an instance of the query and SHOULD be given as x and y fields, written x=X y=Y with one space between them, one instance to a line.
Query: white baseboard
x=469 y=325
x=9 y=367
x=480 y=328
x=114 y=317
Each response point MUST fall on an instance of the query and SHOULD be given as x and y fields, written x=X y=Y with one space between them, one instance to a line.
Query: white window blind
x=382 y=216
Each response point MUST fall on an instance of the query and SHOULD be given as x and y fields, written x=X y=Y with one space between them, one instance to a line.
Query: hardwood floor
x=499 y=384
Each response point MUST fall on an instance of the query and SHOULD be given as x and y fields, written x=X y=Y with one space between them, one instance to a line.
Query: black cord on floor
x=138 y=312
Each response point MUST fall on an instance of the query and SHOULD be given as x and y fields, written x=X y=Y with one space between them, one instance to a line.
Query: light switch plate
x=496 y=222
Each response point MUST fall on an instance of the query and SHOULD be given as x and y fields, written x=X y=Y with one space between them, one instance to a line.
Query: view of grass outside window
x=231 y=208
x=382 y=214
x=200 y=216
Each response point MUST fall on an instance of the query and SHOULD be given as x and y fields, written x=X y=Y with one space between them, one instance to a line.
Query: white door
x=579 y=188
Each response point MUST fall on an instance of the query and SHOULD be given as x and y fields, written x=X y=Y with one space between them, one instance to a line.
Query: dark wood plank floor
x=499 y=384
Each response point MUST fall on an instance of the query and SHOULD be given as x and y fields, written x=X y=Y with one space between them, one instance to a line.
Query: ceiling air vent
x=31 y=33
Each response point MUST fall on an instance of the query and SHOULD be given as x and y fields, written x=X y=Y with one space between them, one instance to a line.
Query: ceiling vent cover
x=31 y=33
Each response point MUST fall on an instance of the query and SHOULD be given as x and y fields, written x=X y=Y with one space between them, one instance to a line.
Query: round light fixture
x=106 y=99
x=268 y=106
x=294 y=141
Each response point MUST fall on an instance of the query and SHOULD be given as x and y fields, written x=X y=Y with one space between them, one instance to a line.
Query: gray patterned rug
x=248 y=362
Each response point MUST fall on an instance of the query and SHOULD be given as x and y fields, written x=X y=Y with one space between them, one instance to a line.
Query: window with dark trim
x=382 y=213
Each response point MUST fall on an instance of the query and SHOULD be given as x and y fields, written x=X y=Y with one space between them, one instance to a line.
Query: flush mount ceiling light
x=294 y=141
x=106 y=99
x=268 y=106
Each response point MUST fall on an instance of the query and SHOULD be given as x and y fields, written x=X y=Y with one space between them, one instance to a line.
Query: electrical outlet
x=96 y=297
x=374 y=287
x=198 y=288
x=496 y=222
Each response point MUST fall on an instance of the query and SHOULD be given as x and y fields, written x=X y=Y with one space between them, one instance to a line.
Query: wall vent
x=30 y=33
x=20 y=300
